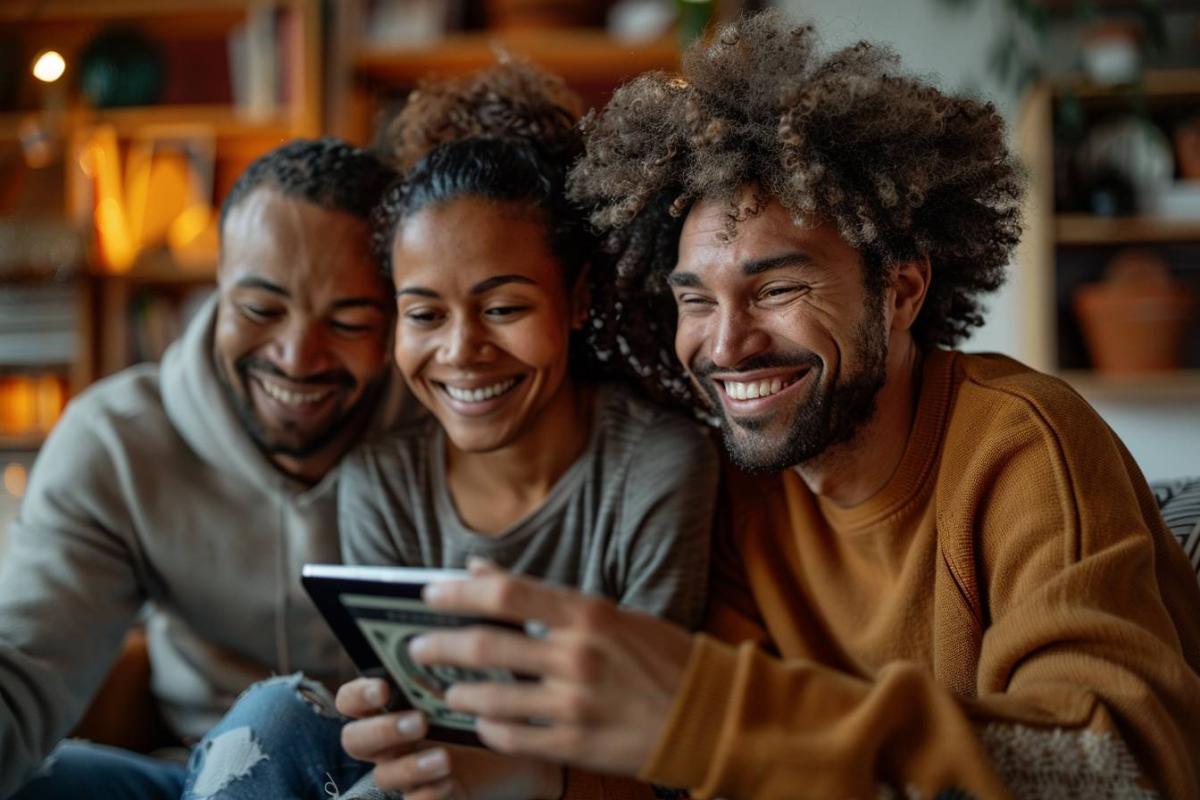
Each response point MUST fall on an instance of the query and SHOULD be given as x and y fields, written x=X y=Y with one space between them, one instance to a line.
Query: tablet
x=375 y=612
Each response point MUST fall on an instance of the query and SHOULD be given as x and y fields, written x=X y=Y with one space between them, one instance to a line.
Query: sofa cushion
x=1180 y=504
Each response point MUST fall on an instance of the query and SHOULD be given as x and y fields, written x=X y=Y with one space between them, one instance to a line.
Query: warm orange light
x=18 y=411
x=49 y=66
x=15 y=478
x=188 y=225
x=117 y=247
x=51 y=397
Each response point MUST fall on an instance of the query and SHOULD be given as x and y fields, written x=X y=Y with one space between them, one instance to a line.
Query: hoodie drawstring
x=282 y=652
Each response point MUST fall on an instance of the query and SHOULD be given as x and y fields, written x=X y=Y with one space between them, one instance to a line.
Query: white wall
x=949 y=47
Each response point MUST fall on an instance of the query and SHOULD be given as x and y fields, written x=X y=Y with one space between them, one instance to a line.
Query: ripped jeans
x=282 y=739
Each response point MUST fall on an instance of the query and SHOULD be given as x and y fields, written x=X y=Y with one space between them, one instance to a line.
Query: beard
x=831 y=413
x=285 y=437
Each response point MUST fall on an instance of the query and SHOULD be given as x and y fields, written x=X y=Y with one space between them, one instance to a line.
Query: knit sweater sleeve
x=1085 y=679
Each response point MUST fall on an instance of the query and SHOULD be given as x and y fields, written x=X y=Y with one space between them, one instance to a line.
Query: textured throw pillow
x=1180 y=505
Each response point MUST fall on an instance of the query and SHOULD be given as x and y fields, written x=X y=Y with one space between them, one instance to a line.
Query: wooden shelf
x=1155 y=83
x=163 y=275
x=11 y=121
x=582 y=56
x=26 y=441
x=1071 y=7
x=73 y=10
x=1084 y=229
x=1178 y=385
x=225 y=121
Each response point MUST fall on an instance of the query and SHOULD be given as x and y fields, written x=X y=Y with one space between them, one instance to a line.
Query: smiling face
x=778 y=330
x=302 y=329
x=484 y=319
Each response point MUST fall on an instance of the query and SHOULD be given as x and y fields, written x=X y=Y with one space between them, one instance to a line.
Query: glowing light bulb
x=49 y=66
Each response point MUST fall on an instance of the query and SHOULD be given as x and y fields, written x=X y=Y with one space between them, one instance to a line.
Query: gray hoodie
x=149 y=489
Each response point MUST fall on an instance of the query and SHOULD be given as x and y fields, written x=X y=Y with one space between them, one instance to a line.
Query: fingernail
x=477 y=564
x=432 y=592
x=433 y=764
x=418 y=646
x=409 y=724
x=373 y=694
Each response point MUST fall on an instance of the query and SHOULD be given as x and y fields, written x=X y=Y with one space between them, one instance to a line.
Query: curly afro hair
x=902 y=170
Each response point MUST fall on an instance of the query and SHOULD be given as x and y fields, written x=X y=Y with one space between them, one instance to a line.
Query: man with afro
x=938 y=574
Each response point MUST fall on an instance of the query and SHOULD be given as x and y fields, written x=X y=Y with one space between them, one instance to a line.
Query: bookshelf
x=1066 y=245
x=376 y=79
x=238 y=77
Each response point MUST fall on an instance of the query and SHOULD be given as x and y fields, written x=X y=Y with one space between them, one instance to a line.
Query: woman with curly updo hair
x=947 y=577
x=902 y=170
x=524 y=459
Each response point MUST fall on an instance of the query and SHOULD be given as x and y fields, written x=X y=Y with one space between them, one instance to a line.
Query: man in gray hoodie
x=201 y=485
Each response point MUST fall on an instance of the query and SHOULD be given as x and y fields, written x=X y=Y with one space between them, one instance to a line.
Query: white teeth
x=755 y=389
x=288 y=397
x=480 y=394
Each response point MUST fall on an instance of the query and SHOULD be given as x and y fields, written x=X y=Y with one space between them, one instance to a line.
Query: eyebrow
x=690 y=280
x=255 y=282
x=479 y=288
x=778 y=262
x=360 y=302
x=500 y=280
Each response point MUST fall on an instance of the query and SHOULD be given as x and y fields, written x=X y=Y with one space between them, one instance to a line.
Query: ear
x=910 y=282
x=581 y=299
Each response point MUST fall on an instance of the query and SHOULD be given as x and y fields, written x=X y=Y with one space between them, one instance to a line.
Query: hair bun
x=510 y=100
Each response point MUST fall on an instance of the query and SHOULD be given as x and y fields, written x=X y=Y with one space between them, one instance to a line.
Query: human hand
x=425 y=770
x=605 y=677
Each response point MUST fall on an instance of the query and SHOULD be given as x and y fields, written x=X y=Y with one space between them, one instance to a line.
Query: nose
x=299 y=349
x=736 y=337
x=465 y=343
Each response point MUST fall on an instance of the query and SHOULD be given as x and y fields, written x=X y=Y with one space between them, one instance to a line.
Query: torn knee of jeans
x=317 y=697
x=228 y=758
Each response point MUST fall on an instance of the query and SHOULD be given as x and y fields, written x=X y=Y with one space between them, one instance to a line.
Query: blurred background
x=123 y=123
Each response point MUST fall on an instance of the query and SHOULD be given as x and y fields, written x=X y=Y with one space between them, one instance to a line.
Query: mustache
x=704 y=368
x=331 y=377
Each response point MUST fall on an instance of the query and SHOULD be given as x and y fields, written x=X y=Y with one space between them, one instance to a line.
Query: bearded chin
x=290 y=441
x=831 y=414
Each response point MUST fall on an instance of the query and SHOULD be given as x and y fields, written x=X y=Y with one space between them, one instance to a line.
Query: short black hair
x=325 y=172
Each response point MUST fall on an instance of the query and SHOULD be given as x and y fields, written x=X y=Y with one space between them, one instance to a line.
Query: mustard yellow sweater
x=1007 y=617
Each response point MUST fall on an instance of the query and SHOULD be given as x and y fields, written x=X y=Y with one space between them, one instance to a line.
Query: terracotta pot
x=1187 y=148
x=1137 y=319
